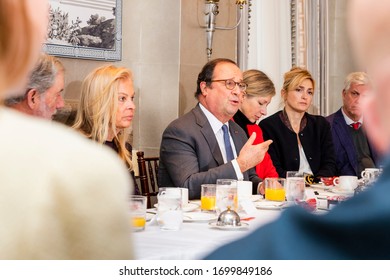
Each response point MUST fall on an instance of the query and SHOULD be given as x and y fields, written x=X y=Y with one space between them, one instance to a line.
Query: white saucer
x=149 y=216
x=341 y=191
x=321 y=186
x=270 y=205
x=186 y=208
x=256 y=197
x=199 y=217
x=241 y=227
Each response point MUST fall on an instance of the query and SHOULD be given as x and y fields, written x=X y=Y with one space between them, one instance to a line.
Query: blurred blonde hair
x=96 y=114
x=294 y=77
x=258 y=83
x=16 y=35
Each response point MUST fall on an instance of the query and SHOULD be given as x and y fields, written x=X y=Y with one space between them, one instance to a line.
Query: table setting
x=178 y=228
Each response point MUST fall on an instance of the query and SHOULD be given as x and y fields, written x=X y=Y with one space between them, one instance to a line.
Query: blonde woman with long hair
x=106 y=109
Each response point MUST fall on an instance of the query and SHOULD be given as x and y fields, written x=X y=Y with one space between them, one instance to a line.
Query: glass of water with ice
x=169 y=208
x=295 y=186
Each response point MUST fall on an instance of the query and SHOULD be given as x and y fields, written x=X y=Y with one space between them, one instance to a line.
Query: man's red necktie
x=355 y=125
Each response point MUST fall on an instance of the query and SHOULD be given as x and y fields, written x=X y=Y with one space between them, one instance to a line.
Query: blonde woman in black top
x=302 y=141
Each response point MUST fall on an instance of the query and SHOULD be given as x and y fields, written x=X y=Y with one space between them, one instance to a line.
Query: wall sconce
x=211 y=11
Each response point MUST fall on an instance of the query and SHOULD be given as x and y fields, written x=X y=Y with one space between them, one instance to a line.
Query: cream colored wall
x=165 y=48
x=193 y=45
x=340 y=56
x=150 y=48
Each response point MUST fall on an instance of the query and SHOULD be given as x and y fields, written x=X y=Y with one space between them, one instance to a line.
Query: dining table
x=199 y=236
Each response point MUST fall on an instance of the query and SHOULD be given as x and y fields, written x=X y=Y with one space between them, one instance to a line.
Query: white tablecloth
x=196 y=239
x=193 y=241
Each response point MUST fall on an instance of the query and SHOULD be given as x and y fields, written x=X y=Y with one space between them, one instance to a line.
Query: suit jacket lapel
x=208 y=134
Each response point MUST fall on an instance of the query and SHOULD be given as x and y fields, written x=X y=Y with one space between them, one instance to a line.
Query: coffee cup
x=370 y=174
x=244 y=190
x=348 y=183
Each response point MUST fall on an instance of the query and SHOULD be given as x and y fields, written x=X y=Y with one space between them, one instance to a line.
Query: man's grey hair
x=41 y=78
x=358 y=78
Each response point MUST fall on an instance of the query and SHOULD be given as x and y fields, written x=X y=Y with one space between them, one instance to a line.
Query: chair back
x=148 y=168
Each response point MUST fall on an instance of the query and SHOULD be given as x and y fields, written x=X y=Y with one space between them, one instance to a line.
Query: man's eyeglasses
x=231 y=84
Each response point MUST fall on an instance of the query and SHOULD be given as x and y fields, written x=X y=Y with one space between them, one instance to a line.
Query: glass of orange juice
x=207 y=198
x=138 y=212
x=275 y=189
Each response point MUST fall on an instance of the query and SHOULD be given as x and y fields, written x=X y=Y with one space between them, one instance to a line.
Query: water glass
x=169 y=208
x=226 y=195
x=295 y=186
x=138 y=212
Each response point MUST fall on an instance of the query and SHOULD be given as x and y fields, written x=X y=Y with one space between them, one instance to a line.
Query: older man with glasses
x=205 y=145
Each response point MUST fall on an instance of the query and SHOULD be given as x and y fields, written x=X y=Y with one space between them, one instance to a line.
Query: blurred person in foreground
x=61 y=196
x=42 y=96
x=205 y=144
x=259 y=92
x=106 y=110
x=358 y=228
x=353 y=150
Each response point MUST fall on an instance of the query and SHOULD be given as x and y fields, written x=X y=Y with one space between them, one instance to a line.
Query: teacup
x=244 y=192
x=370 y=174
x=348 y=183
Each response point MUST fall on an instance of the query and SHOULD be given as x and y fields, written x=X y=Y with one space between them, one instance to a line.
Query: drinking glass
x=275 y=189
x=169 y=208
x=295 y=186
x=138 y=212
x=207 y=198
x=226 y=195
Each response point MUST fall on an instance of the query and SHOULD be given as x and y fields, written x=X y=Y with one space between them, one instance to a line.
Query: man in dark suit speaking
x=205 y=145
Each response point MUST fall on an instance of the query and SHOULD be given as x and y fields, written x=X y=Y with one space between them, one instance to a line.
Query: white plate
x=199 y=217
x=241 y=227
x=256 y=197
x=149 y=216
x=270 y=205
x=321 y=186
x=340 y=191
x=186 y=208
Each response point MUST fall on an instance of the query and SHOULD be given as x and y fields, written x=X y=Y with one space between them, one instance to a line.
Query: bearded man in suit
x=195 y=149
